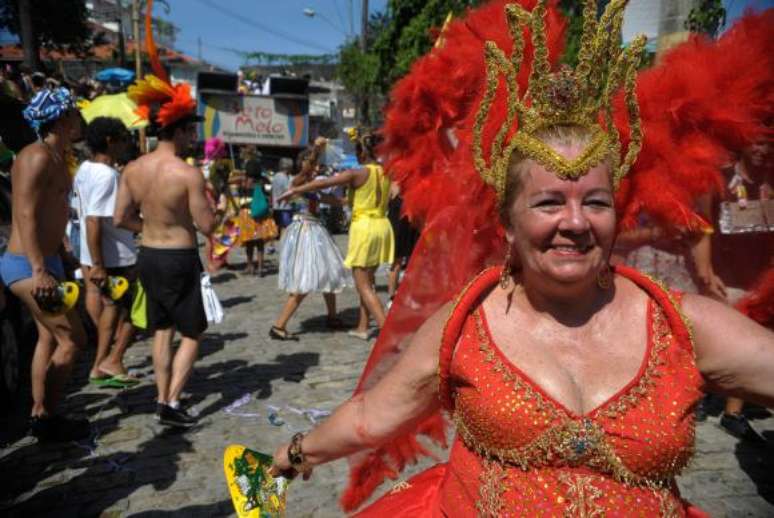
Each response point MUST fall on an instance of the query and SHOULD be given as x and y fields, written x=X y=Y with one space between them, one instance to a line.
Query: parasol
x=115 y=105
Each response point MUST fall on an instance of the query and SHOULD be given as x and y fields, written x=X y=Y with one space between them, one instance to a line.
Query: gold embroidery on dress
x=400 y=486
x=442 y=384
x=573 y=441
x=491 y=488
x=677 y=308
x=661 y=336
x=668 y=504
x=514 y=381
x=581 y=496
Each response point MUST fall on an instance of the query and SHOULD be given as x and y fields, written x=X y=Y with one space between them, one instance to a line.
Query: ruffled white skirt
x=309 y=259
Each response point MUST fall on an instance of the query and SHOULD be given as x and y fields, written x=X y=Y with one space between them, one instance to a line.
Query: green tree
x=396 y=38
x=53 y=24
x=707 y=17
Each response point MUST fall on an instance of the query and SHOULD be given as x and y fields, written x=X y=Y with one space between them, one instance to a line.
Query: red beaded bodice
x=518 y=452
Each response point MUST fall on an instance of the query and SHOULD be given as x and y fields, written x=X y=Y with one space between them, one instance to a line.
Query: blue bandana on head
x=48 y=105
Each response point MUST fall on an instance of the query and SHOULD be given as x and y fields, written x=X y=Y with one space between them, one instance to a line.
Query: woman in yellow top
x=371 y=241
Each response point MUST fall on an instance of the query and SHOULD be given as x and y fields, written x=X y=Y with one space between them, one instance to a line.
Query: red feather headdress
x=702 y=104
x=431 y=111
x=174 y=102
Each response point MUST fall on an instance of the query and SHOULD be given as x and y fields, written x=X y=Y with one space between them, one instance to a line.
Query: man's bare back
x=41 y=187
x=170 y=195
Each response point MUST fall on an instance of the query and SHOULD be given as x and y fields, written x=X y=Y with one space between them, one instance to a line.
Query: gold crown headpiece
x=581 y=97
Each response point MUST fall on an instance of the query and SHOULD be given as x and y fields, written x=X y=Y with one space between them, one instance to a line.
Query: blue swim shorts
x=14 y=268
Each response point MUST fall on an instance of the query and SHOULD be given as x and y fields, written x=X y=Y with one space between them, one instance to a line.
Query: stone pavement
x=137 y=468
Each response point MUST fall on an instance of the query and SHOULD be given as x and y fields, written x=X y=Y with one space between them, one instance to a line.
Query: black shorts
x=171 y=278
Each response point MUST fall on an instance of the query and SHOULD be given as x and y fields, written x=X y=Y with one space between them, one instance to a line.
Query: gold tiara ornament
x=566 y=97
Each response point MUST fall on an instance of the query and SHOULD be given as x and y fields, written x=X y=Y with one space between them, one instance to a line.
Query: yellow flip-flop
x=254 y=492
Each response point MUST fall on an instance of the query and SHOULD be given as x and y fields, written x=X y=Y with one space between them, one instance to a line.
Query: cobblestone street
x=137 y=468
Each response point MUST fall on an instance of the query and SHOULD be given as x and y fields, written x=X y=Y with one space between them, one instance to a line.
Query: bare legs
x=294 y=301
x=330 y=305
x=256 y=246
x=365 y=283
x=113 y=323
x=93 y=298
x=394 y=277
x=60 y=340
x=734 y=406
x=172 y=372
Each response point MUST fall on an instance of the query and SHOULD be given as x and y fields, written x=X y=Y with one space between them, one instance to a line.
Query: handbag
x=259 y=207
x=212 y=307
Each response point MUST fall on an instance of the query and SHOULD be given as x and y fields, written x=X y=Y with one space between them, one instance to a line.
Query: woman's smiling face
x=562 y=229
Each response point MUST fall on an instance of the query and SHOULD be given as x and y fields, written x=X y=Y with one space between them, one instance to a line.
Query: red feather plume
x=174 y=101
x=700 y=106
x=430 y=108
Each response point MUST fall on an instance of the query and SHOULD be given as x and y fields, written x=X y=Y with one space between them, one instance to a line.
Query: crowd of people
x=115 y=217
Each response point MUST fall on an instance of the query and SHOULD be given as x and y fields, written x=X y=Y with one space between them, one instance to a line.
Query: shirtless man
x=32 y=267
x=170 y=196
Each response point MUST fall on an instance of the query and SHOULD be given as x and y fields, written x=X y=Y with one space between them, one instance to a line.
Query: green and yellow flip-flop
x=255 y=493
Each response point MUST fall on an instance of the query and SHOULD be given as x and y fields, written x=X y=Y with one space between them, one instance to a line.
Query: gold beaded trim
x=509 y=377
x=581 y=97
x=572 y=443
x=491 y=488
x=581 y=496
x=661 y=335
x=575 y=441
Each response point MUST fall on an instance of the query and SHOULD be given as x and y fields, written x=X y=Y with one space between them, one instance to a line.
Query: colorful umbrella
x=116 y=105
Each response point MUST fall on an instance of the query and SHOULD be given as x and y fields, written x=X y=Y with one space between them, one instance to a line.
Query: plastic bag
x=212 y=306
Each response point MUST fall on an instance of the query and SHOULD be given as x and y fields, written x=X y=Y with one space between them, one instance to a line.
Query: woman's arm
x=343 y=178
x=407 y=394
x=734 y=354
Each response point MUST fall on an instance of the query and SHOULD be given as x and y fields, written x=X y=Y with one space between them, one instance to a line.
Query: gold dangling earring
x=605 y=277
x=505 y=275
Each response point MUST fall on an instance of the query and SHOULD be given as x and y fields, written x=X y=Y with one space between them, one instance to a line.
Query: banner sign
x=254 y=119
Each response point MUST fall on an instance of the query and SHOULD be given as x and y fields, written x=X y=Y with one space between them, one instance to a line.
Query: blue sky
x=229 y=25
x=276 y=26
x=279 y=26
x=735 y=8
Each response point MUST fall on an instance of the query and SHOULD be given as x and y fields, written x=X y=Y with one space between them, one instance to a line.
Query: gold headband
x=581 y=97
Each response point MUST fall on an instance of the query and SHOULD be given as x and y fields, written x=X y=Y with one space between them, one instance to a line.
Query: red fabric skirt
x=418 y=497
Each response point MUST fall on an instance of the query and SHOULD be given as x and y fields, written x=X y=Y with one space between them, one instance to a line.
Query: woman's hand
x=282 y=467
x=712 y=286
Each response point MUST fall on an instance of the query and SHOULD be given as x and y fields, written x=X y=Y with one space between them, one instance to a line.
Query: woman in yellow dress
x=371 y=240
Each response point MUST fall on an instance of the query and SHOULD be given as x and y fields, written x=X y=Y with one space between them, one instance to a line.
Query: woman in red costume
x=518 y=165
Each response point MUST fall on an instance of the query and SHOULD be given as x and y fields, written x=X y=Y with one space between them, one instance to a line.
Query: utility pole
x=121 y=43
x=364 y=27
x=363 y=107
x=29 y=41
x=138 y=59
x=351 y=19
x=199 y=45
x=121 y=37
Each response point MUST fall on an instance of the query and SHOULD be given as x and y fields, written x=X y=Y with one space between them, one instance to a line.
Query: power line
x=341 y=18
x=254 y=24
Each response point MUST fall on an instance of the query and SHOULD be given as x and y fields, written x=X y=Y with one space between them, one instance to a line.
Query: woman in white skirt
x=309 y=259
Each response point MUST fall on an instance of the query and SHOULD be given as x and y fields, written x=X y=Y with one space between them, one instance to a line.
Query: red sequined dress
x=518 y=452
